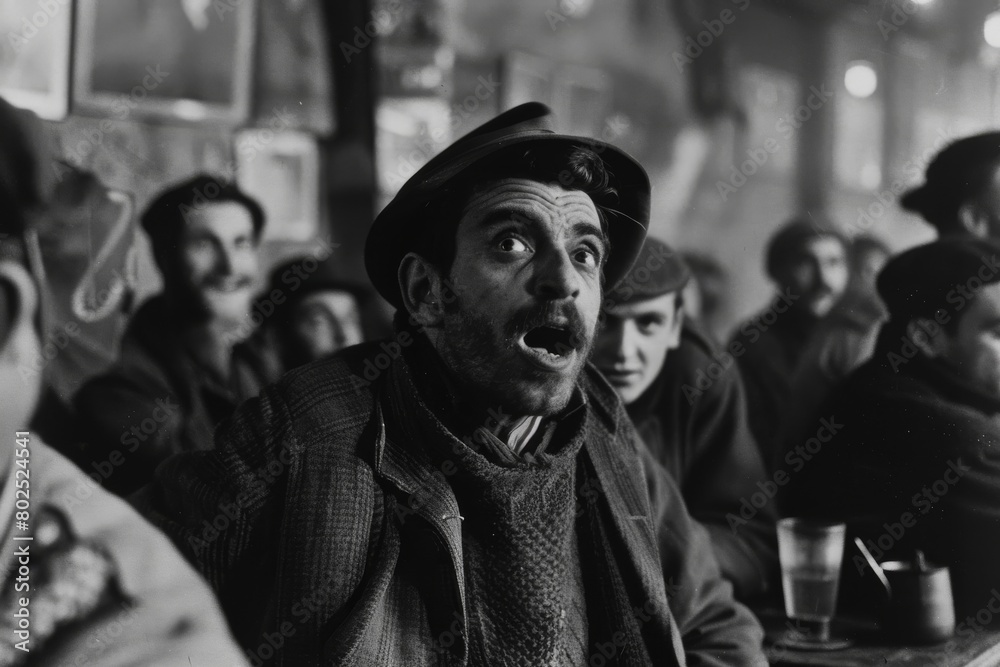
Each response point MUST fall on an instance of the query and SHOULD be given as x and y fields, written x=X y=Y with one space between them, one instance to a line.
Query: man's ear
x=422 y=287
x=973 y=219
x=927 y=336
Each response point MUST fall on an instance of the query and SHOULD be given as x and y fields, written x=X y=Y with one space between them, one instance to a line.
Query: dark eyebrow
x=582 y=228
x=504 y=214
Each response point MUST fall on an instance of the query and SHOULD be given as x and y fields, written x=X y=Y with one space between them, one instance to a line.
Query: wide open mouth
x=555 y=340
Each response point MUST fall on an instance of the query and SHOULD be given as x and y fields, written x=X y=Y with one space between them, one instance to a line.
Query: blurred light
x=860 y=79
x=575 y=9
x=189 y=110
x=922 y=2
x=991 y=29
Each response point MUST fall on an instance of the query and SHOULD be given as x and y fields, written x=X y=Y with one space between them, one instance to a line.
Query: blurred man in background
x=184 y=364
x=321 y=313
x=686 y=401
x=94 y=583
x=705 y=296
x=916 y=464
x=807 y=261
x=961 y=189
x=843 y=341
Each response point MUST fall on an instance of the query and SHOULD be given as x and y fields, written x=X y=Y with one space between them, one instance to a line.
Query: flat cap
x=394 y=232
x=658 y=270
x=958 y=172
x=932 y=277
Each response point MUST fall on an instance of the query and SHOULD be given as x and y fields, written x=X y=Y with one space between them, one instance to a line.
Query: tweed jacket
x=332 y=539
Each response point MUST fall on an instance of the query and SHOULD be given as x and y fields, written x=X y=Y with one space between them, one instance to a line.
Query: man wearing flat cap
x=918 y=448
x=685 y=397
x=961 y=190
x=470 y=492
x=807 y=261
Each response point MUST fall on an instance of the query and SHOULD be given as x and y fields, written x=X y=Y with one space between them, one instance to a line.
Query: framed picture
x=281 y=170
x=35 y=56
x=187 y=60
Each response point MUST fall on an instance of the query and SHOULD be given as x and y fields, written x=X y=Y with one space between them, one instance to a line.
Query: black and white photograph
x=482 y=333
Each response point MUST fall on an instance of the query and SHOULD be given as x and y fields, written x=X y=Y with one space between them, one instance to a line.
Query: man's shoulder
x=348 y=380
x=144 y=566
x=902 y=401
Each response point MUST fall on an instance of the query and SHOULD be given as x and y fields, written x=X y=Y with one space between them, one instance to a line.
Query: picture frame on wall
x=35 y=56
x=282 y=171
x=187 y=60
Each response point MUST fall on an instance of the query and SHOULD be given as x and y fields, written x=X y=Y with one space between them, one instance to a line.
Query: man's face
x=868 y=266
x=323 y=322
x=634 y=340
x=987 y=208
x=527 y=294
x=218 y=260
x=974 y=348
x=817 y=274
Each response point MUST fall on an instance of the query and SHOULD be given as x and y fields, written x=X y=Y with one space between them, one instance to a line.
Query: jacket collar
x=408 y=466
x=618 y=470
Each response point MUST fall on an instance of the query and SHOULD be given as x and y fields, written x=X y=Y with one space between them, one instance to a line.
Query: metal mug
x=920 y=607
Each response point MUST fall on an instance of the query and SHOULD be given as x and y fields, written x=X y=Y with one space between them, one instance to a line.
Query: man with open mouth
x=470 y=492
x=184 y=366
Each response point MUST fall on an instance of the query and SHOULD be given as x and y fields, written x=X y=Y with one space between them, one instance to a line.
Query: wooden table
x=871 y=648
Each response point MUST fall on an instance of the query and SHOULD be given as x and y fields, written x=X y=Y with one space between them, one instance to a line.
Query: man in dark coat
x=961 y=190
x=469 y=492
x=807 y=261
x=685 y=397
x=915 y=463
x=184 y=364
x=843 y=341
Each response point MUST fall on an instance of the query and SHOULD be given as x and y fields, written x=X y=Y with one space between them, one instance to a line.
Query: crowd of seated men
x=549 y=460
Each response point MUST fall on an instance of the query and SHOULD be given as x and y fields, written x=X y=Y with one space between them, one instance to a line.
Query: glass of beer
x=811 y=553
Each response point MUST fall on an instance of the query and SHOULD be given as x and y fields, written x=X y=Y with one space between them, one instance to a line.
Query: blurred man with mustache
x=469 y=492
x=183 y=365
x=807 y=261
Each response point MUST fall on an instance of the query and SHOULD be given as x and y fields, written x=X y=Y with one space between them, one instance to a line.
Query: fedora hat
x=956 y=173
x=393 y=233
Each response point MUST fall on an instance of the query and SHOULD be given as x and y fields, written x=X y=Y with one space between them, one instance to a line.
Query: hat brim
x=392 y=233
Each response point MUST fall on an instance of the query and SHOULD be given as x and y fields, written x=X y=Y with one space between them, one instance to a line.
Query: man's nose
x=827 y=275
x=615 y=343
x=224 y=260
x=557 y=278
x=629 y=345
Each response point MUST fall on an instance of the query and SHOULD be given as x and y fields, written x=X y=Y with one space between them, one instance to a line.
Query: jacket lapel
x=408 y=468
x=624 y=484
